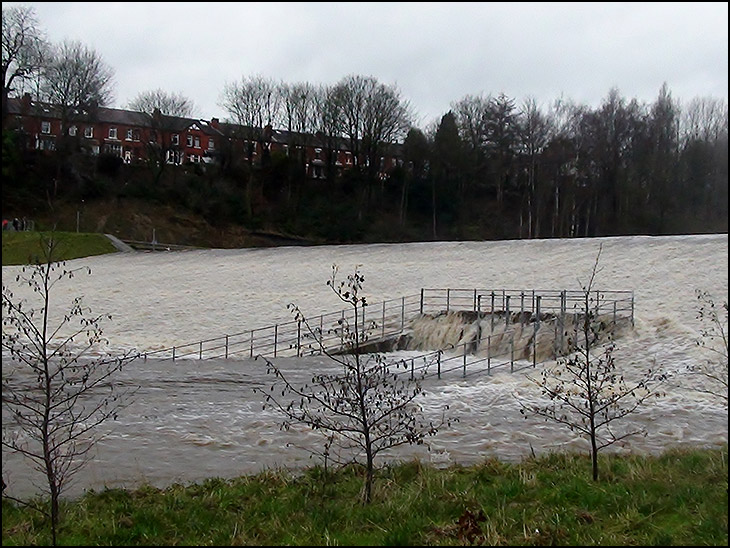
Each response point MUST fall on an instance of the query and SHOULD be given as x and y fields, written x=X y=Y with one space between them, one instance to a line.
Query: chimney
x=25 y=104
x=214 y=123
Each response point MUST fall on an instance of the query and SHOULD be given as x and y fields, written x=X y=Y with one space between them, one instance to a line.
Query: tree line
x=489 y=168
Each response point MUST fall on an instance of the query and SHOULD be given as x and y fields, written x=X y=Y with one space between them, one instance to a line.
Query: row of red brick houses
x=134 y=135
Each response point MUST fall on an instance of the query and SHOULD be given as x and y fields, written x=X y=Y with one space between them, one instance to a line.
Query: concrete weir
x=521 y=334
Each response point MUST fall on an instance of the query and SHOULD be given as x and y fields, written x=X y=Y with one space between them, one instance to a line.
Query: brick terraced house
x=135 y=136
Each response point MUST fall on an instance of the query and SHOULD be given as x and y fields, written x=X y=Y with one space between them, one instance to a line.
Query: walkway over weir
x=513 y=325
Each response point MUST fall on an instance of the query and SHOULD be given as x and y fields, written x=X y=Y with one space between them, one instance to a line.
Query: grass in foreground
x=24 y=247
x=679 y=498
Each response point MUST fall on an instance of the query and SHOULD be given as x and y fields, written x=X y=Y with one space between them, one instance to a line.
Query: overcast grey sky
x=435 y=53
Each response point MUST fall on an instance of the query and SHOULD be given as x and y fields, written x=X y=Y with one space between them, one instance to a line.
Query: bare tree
x=534 y=136
x=77 y=79
x=165 y=114
x=471 y=116
x=169 y=104
x=368 y=407
x=254 y=106
x=587 y=392
x=327 y=116
x=24 y=49
x=501 y=140
x=298 y=106
x=713 y=337
x=371 y=116
x=704 y=118
x=56 y=387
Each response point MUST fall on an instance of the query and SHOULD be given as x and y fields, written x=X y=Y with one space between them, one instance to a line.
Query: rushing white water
x=194 y=419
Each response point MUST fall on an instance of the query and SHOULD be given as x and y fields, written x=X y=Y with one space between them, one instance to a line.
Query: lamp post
x=78 y=216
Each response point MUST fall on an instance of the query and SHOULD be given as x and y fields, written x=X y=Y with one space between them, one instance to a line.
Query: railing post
x=383 y=326
x=537 y=327
x=614 y=312
x=276 y=337
x=438 y=360
x=226 y=346
x=522 y=308
x=492 y=313
x=251 y=353
x=532 y=306
x=506 y=316
x=512 y=354
x=489 y=354
x=402 y=313
x=342 y=330
x=475 y=300
x=448 y=297
x=464 y=373
x=421 y=300
x=299 y=337
x=200 y=354
x=173 y=353
x=479 y=305
x=563 y=306
x=412 y=368
x=632 y=309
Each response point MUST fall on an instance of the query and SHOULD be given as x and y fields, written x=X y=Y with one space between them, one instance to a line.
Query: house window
x=153 y=136
x=45 y=127
x=72 y=131
x=175 y=157
x=89 y=132
x=112 y=133
x=113 y=149
x=190 y=140
x=348 y=157
x=45 y=144
x=175 y=140
x=211 y=144
x=129 y=135
x=197 y=142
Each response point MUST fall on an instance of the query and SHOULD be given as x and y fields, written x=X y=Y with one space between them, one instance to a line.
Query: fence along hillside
x=486 y=328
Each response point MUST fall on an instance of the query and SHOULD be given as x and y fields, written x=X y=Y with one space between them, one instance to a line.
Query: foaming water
x=194 y=419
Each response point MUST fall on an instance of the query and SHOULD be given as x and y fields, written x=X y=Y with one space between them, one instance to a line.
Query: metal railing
x=392 y=317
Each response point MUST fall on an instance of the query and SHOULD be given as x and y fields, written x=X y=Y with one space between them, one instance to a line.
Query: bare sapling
x=368 y=406
x=57 y=384
x=712 y=371
x=586 y=391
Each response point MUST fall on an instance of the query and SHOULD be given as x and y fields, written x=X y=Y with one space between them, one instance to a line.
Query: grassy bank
x=25 y=247
x=679 y=498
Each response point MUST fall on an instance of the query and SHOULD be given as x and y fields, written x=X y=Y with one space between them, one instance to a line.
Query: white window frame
x=211 y=144
x=72 y=131
x=45 y=127
x=175 y=139
x=113 y=133
x=129 y=135
x=189 y=140
x=89 y=132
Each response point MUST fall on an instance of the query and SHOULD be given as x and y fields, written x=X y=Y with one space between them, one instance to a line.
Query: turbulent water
x=193 y=419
